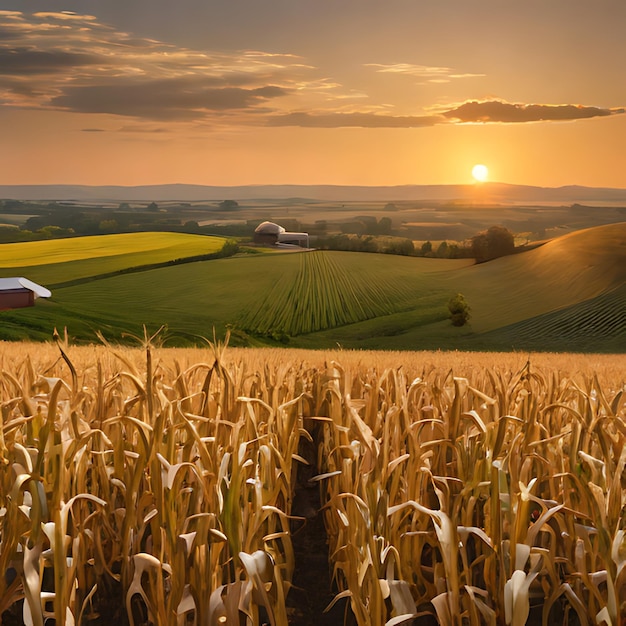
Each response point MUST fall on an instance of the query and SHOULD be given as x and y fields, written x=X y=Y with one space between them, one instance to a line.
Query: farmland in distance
x=356 y=300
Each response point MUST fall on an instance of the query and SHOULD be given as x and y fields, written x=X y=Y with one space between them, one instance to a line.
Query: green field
x=355 y=300
x=330 y=291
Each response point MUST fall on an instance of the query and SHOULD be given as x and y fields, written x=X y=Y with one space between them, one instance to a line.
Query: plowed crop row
x=601 y=317
x=323 y=295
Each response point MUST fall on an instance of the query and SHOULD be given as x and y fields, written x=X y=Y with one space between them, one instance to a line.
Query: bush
x=228 y=205
x=459 y=310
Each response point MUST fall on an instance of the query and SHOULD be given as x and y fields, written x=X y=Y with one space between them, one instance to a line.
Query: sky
x=344 y=92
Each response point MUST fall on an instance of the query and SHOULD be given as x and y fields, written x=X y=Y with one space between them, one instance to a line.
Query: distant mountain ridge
x=485 y=193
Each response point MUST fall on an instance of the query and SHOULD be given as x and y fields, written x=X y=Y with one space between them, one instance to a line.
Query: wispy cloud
x=505 y=112
x=72 y=62
x=430 y=73
x=351 y=120
x=138 y=128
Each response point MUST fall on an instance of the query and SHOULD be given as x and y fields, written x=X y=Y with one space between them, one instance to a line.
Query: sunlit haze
x=357 y=92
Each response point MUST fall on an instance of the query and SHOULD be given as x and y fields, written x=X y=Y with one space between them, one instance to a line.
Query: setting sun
x=480 y=173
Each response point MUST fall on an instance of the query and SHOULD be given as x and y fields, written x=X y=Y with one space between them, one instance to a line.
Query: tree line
x=497 y=241
x=362 y=234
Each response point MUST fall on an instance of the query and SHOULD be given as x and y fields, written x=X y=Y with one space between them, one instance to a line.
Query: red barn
x=19 y=292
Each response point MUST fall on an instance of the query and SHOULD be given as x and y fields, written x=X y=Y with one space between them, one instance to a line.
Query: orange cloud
x=171 y=99
x=70 y=62
x=504 y=112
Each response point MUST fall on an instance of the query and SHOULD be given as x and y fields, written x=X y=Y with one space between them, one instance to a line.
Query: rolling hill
x=563 y=272
x=597 y=324
x=357 y=300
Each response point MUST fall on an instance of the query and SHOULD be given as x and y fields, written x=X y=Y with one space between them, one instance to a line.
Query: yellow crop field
x=158 y=486
x=33 y=253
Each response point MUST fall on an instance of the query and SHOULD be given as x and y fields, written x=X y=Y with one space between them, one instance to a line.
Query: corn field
x=452 y=492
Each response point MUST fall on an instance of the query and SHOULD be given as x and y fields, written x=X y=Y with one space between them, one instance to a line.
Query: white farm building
x=270 y=233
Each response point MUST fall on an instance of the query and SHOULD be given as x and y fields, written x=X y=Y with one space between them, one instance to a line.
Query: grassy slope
x=60 y=260
x=191 y=299
x=596 y=324
x=563 y=272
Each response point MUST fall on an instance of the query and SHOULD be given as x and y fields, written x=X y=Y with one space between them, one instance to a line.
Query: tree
x=229 y=205
x=454 y=251
x=442 y=250
x=192 y=226
x=384 y=226
x=459 y=310
x=495 y=242
x=426 y=248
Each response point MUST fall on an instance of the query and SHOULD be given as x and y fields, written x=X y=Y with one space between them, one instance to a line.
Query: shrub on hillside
x=459 y=310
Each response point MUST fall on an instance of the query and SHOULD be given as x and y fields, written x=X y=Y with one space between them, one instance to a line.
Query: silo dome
x=269 y=228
